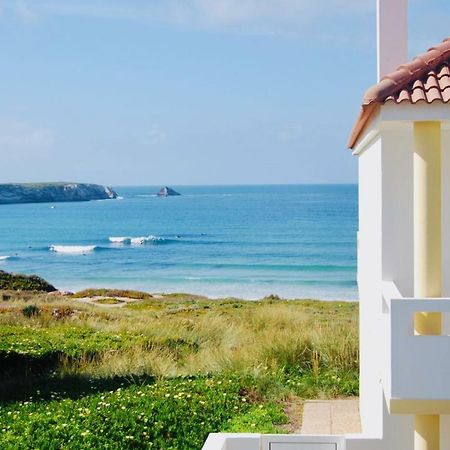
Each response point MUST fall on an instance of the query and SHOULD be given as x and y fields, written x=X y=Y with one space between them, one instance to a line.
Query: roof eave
x=366 y=114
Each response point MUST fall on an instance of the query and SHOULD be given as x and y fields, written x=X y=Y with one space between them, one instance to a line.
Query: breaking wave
x=73 y=249
x=119 y=240
x=140 y=240
x=4 y=258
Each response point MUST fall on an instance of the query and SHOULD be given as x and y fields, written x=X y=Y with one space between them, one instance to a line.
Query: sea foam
x=119 y=240
x=73 y=249
x=4 y=258
x=140 y=240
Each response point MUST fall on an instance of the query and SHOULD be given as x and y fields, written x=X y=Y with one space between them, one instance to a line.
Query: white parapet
x=228 y=441
x=224 y=441
x=414 y=381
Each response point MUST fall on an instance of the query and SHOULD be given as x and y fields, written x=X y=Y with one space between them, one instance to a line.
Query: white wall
x=385 y=253
x=397 y=213
x=397 y=143
x=369 y=284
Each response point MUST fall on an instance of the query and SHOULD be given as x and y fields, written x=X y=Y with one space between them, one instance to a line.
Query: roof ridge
x=409 y=72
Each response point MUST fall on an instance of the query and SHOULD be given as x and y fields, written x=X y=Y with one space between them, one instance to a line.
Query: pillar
x=427 y=251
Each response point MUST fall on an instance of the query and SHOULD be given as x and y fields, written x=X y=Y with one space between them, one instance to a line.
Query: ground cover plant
x=163 y=371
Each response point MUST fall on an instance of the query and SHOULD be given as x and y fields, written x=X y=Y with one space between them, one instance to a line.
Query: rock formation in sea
x=53 y=192
x=167 y=192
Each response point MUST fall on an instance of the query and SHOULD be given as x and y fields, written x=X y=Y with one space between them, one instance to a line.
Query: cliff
x=53 y=192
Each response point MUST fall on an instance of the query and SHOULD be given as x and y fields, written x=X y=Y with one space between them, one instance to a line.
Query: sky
x=179 y=92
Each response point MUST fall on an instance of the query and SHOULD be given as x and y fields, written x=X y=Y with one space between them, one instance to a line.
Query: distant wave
x=4 y=258
x=119 y=240
x=73 y=249
x=140 y=240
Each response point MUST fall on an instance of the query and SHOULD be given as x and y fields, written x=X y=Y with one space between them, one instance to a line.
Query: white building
x=402 y=141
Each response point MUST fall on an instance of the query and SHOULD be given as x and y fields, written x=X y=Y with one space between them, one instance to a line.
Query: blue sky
x=155 y=92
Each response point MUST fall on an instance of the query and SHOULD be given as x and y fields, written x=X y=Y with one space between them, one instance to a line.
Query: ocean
x=294 y=241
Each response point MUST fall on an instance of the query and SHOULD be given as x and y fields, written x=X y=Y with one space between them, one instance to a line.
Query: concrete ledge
x=230 y=441
x=301 y=442
x=426 y=407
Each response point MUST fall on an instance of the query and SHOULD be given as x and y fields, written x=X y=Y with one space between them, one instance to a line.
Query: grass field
x=162 y=372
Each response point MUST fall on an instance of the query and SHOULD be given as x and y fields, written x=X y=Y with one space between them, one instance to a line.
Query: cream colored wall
x=445 y=432
x=446 y=220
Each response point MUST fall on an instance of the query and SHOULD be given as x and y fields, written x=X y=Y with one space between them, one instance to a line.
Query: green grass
x=71 y=341
x=173 y=414
x=165 y=370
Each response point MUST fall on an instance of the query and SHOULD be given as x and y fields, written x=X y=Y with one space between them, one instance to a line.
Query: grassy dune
x=163 y=372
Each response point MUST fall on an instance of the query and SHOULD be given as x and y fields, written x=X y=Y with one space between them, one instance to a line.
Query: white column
x=427 y=252
x=392 y=28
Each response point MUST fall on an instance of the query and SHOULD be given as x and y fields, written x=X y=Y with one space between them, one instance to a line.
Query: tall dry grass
x=178 y=337
x=250 y=339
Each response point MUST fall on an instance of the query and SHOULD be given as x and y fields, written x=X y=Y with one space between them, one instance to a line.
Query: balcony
x=416 y=370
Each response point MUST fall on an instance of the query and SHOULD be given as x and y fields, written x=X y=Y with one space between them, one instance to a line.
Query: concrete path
x=331 y=417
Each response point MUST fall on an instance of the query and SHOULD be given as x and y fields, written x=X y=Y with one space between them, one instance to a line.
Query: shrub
x=31 y=311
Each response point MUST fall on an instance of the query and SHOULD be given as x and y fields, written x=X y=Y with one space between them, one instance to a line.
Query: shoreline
x=223 y=294
x=17 y=281
x=92 y=295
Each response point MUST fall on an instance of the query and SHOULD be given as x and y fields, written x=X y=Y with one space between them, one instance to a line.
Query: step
x=331 y=417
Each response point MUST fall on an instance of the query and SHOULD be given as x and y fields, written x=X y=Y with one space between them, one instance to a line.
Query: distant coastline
x=11 y=193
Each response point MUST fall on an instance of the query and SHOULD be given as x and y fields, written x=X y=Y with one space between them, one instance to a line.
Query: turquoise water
x=245 y=241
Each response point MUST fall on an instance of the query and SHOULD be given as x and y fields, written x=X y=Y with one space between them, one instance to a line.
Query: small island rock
x=167 y=192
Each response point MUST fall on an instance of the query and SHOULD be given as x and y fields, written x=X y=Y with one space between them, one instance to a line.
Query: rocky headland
x=53 y=192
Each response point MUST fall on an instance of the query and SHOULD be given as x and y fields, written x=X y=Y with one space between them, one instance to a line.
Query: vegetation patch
x=31 y=311
x=164 y=372
x=19 y=282
x=171 y=414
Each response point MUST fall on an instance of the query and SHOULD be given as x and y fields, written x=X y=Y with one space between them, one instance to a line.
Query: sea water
x=243 y=241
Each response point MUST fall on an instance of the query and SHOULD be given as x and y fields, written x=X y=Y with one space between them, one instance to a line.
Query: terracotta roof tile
x=425 y=79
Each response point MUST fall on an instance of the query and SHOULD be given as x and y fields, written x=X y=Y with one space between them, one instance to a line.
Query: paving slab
x=331 y=417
